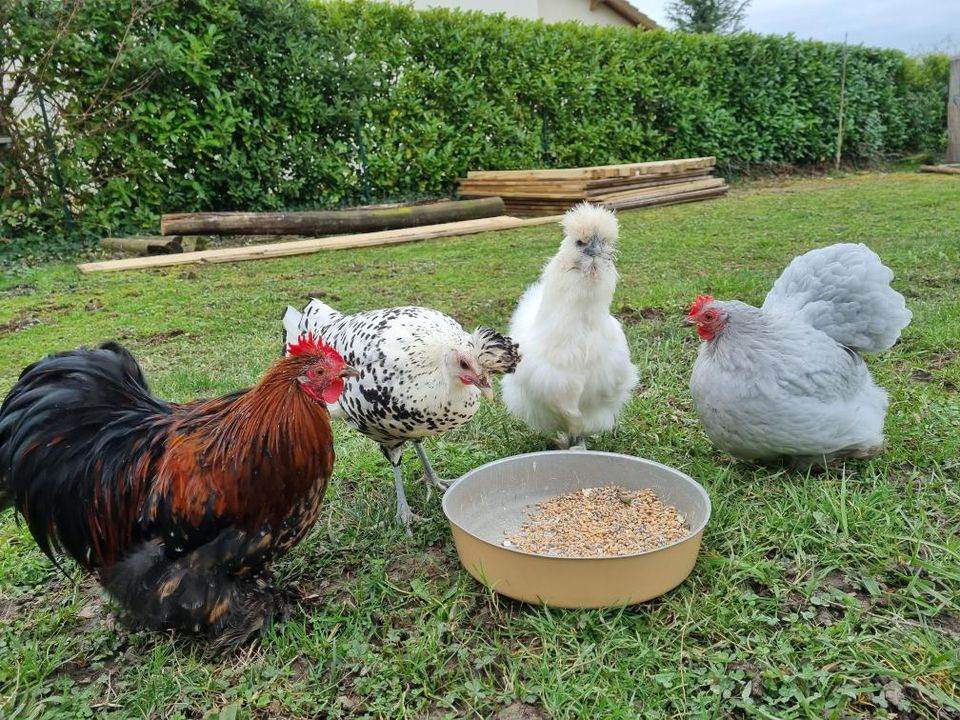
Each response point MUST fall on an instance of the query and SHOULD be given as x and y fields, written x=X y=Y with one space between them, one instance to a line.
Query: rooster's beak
x=349 y=372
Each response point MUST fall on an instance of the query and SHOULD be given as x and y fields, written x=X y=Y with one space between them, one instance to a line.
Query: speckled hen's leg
x=404 y=514
x=428 y=473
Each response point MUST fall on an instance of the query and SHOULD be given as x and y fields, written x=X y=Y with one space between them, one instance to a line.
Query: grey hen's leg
x=428 y=473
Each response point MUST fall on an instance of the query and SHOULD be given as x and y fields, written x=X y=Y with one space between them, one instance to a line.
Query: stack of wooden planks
x=530 y=193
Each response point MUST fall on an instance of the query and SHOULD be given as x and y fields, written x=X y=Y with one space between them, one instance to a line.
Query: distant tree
x=708 y=16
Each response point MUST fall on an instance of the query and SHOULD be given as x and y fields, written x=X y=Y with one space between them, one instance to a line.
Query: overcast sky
x=919 y=26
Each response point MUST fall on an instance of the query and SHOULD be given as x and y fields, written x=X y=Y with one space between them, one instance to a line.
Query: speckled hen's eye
x=464 y=365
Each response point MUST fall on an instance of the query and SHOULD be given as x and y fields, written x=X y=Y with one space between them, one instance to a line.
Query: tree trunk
x=332 y=222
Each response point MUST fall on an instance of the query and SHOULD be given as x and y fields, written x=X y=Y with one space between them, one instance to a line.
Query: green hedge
x=260 y=104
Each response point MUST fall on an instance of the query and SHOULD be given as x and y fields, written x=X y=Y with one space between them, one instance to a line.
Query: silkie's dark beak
x=348 y=372
x=595 y=247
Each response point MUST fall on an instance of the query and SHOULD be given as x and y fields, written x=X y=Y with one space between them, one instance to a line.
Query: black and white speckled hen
x=421 y=374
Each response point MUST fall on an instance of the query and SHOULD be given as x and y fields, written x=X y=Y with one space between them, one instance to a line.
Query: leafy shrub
x=167 y=105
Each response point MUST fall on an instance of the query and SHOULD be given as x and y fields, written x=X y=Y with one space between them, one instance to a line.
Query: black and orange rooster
x=176 y=508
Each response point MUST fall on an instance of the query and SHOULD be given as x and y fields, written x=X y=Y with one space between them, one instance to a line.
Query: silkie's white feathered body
x=786 y=380
x=421 y=374
x=575 y=376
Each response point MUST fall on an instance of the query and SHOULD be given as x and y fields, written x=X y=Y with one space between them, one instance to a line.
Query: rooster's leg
x=428 y=473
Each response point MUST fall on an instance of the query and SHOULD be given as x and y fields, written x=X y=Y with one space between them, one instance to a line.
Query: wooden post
x=953 y=112
x=841 y=108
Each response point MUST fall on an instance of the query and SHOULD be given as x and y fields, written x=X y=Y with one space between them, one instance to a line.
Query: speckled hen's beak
x=484 y=385
x=348 y=372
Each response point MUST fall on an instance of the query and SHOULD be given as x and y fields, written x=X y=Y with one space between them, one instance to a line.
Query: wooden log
x=154 y=244
x=597 y=172
x=302 y=247
x=328 y=222
x=953 y=112
x=943 y=169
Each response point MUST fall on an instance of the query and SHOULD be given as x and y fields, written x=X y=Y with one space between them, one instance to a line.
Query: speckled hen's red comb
x=699 y=303
x=310 y=345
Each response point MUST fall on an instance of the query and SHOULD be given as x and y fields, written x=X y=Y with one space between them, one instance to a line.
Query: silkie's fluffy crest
x=585 y=220
x=310 y=345
x=699 y=303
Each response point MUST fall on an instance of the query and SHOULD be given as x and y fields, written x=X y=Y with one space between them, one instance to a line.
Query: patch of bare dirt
x=751 y=671
x=942 y=359
x=520 y=711
x=20 y=321
x=19 y=290
x=632 y=316
x=431 y=564
x=160 y=337
x=322 y=295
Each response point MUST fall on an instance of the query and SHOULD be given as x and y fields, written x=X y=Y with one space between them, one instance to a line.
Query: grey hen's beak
x=595 y=247
x=687 y=321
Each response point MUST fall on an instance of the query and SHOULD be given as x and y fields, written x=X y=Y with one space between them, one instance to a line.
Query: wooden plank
x=302 y=247
x=942 y=169
x=598 y=171
x=659 y=191
x=674 y=199
x=578 y=189
x=521 y=209
x=508 y=186
x=648 y=191
x=328 y=222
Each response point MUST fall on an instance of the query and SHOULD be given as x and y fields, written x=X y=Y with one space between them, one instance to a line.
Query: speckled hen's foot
x=429 y=476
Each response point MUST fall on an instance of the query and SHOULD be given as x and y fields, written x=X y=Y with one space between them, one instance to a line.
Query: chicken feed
x=598 y=522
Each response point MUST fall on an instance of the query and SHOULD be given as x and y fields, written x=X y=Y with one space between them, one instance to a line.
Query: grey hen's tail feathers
x=843 y=290
x=496 y=353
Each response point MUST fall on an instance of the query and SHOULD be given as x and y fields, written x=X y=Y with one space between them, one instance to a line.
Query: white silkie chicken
x=421 y=374
x=575 y=375
x=786 y=381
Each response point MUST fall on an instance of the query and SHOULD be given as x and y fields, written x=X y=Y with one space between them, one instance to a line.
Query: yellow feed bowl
x=492 y=501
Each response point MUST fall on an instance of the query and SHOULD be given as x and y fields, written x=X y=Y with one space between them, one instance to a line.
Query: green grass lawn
x=827 y=595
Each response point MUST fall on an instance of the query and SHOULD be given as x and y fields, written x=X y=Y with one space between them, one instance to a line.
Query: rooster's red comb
x=310 y=345
x=699 y=303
